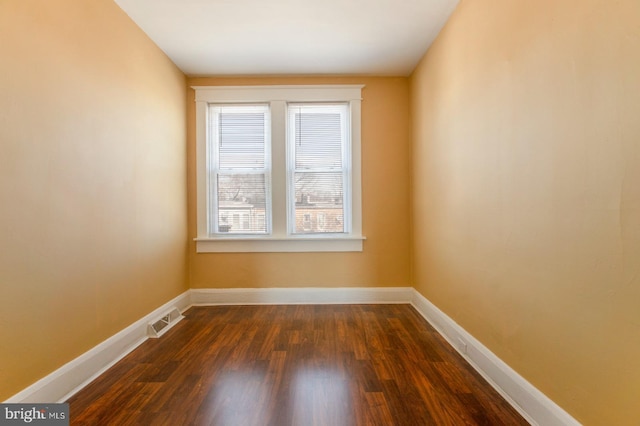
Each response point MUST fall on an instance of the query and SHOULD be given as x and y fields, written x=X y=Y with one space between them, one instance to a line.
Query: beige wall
x=92 y=181
x=385 y=175
x=527 y=192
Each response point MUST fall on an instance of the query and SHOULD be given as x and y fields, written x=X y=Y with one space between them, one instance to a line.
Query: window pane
x=317 y=135
x=241 y=203
x=242 y=133
x=319 y=202
x=318 y=139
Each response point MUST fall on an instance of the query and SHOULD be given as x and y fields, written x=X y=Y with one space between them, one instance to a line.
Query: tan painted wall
x=92 y=181
x=385 y=173
x=527 y=192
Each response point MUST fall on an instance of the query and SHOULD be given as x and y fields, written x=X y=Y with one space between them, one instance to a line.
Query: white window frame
x=215 y=169
x=280 y=239
x=343 y=109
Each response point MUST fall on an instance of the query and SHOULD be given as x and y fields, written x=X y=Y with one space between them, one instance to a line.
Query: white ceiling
x=276 y=37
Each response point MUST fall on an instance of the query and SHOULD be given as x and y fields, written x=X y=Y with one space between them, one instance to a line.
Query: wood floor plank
x=334 y=365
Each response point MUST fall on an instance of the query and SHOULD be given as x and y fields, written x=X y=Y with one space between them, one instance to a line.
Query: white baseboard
x=73 y=376
x=532 y=404
x=290 y=296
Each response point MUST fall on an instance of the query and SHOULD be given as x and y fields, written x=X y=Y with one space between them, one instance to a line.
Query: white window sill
x=245 y=244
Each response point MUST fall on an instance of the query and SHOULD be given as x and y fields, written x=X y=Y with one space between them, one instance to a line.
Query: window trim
x=280 y=240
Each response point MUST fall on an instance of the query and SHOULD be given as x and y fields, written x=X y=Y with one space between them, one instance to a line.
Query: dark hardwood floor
x=294 y=365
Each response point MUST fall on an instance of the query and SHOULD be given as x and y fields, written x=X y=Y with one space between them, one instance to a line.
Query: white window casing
x=340 y=210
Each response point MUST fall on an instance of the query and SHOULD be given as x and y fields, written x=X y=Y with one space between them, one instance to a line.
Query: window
x=321 y=222
x=238 y=142
x=319 y=169
x=278 y=168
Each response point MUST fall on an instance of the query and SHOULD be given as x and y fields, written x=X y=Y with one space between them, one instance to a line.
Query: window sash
x=318 y=168
x=239 y=176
